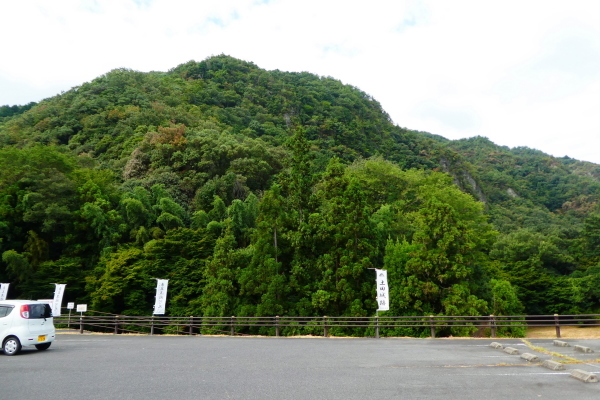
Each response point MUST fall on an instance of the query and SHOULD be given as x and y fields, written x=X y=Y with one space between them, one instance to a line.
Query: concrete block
x=553 y=365
x=530 y=357
x=584 y=376
x=511 y=350
x=583 y=349
x=560 y=343
x=497 y=345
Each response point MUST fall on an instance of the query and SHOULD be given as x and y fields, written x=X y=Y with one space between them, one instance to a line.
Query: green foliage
x=532 y=262
x=17 y=266
x=9 y=111
x=218 y=296
x=119 y=283
x=585 y=290
x=506 y=302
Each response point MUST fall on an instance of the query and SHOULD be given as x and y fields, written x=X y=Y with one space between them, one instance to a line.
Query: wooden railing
x=317 y=326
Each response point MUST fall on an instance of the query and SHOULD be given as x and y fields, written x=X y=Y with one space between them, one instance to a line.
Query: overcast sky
x=522 y=73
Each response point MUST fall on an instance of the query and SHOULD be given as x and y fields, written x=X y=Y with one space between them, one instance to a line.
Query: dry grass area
x=566 y=332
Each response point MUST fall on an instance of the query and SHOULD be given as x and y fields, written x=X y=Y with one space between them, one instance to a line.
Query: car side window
x=5 y=311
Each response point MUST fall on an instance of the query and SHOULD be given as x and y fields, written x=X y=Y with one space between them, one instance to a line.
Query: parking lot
x=93 y=366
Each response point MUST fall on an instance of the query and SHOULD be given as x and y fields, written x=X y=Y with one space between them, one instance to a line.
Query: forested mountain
x=273 y=193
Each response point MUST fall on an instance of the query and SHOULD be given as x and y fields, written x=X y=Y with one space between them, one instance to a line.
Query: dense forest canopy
x=274 y=193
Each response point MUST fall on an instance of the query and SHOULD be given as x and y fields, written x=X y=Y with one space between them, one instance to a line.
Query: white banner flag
x=3 y=290
x=383 y=293
x=161 y=296
x=58 y=296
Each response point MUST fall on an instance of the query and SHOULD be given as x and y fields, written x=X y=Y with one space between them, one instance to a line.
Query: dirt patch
x=566 y=332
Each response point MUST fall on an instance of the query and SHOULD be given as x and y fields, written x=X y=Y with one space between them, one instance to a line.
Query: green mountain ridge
x=271 y=193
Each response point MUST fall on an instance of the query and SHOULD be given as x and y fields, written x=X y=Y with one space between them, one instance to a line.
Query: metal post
x=116 y=324
x=232 y=325
x=376 y=324
x=325 y=328
x=557 y=325
x=81 y=323
x=277 y=325
x=152 y=326
x=191 y=332
x=493 y=325
x=432 y=327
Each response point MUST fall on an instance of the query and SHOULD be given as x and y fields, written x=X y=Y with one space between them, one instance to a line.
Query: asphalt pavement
x=91 y=366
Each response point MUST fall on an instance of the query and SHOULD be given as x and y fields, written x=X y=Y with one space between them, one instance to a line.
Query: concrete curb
x=530 y=357
x=553 y=365
x=496 y=345
x=583 y=349
x=511 y=350
x=584 y=376
x=560 y=343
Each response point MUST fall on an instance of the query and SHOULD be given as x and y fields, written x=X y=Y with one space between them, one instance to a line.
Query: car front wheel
x=43 y=346
x=11 y=346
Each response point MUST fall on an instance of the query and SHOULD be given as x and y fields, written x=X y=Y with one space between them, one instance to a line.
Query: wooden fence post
x=557 y=325
x=191 y=331
x=325 y=328
x=277 y=325
x=431 y=327
x=493 y=325
x=232 y=325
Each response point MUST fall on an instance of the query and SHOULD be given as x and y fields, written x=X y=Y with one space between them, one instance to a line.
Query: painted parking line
x=523 y=374
x=503 y=356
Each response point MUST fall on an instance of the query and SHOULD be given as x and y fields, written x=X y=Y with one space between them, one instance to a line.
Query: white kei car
x=25 y=323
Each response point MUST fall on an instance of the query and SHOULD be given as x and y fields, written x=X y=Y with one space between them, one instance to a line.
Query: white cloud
x=520 y=73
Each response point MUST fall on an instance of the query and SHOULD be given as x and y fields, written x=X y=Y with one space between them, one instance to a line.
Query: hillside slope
x=267 y=192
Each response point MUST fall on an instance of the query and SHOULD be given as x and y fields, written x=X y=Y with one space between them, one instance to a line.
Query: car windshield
x=40 y=311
